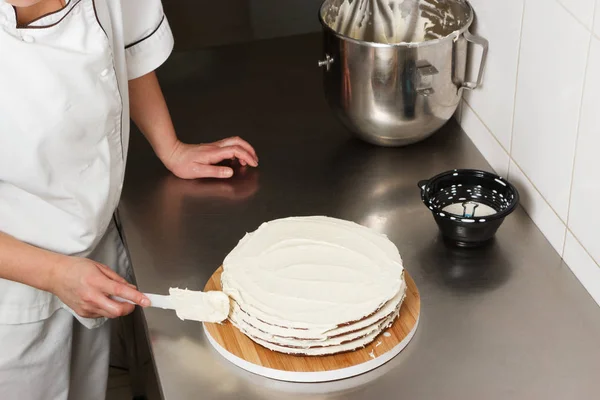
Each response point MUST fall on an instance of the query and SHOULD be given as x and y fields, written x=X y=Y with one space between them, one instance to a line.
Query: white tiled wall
x=536 y=118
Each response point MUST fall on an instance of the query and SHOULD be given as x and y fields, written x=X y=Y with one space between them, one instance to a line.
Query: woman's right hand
x=85 y=286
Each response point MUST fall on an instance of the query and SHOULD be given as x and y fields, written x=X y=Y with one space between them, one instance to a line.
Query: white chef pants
x=54 y=359
x=58 y=358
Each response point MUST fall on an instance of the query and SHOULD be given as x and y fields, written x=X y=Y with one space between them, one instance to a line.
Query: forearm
x=27 y=264
x=150 y=113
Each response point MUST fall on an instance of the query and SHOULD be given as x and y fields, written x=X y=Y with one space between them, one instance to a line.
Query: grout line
x=583 y=247
x=540 y=193
x=509 y=152
x=591 y=29
x=512 y=161
x=465 y=104
x=516 y=163
x=512 y=130
x=578 y=131
x=594 y=21
x=486 y=127
x=560 y=3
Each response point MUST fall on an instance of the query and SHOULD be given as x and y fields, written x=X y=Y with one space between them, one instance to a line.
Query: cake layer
x=334 y=349
x=352 y=335
x=241 y=318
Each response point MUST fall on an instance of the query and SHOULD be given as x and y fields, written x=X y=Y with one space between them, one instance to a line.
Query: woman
x=72 y=72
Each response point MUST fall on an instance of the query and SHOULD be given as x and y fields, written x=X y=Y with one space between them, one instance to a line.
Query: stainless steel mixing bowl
x=395 y=94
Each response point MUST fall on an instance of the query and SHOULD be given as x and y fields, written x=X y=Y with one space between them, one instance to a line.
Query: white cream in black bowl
x=468 y=205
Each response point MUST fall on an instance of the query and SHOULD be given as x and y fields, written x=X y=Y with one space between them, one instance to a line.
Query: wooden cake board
x=243 y=352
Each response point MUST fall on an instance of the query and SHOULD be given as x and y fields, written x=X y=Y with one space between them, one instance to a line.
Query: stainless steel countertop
x=509 y=321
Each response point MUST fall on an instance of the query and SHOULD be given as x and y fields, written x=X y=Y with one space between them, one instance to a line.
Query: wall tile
x=554 y=128
x=484 y=140
x=500 y=23
x=549 y=90
x=584 y=214
x=537 y=208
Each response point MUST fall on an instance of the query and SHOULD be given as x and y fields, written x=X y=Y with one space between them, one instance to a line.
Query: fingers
x=235 y=151
x=97 y=305
x=238 y=141
x=212 y=171
x=124 y=291
x=115 y=287
x=111 y=308
x=112 y=274
x=86 y=286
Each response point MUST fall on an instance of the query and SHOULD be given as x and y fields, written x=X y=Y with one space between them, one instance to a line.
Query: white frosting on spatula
x=210 y=306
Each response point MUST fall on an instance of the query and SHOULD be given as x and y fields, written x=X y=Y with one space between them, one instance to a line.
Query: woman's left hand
x=192 y=161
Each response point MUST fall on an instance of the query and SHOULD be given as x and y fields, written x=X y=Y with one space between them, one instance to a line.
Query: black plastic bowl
x=463 y=186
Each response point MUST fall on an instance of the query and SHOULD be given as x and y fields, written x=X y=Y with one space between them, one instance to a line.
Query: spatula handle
x=122 y=300
x=160 y=301
x=156 y=300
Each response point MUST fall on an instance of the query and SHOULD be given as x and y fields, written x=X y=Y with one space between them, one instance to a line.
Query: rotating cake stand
x=243 y=352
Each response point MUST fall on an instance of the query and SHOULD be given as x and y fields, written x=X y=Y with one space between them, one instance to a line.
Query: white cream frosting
x=315 y=273
x=210 y=306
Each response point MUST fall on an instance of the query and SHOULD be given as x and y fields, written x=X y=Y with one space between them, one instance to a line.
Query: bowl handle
x=478 y=40
x=422 y=184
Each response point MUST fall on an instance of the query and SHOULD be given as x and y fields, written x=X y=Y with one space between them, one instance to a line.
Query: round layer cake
x=313 y=285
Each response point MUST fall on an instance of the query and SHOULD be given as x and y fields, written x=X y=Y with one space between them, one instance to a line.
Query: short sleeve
x=147 y=36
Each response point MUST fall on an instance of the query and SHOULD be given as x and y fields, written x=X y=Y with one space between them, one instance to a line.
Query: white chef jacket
x=64 y=127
